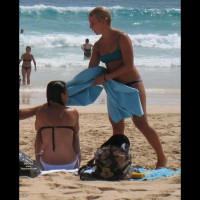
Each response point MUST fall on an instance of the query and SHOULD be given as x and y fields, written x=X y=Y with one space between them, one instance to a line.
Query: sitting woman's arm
x=28 y=112
x=76 y=141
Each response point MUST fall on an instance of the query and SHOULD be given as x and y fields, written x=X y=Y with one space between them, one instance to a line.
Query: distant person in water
x=26 y=65
x=87 y=48
x=22 y=30
x=19 y=77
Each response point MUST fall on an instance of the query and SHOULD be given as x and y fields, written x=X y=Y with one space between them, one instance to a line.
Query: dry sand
x=96 y=129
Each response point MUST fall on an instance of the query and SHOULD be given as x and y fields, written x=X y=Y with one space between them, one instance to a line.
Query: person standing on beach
x=114 y=48
x=19 y=76
x=87 y=48
x=57 y=141
x=26 y=65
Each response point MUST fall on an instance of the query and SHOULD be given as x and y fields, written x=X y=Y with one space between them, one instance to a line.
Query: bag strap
x=89 y=165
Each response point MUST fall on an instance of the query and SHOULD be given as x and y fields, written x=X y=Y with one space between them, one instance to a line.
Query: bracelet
x=39 y=154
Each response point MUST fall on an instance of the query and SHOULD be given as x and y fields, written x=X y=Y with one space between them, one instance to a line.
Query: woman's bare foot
x=161 y=163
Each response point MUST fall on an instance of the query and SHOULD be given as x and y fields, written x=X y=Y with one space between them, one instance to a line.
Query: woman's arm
x=76 y=120
x=76 y=146
x=22 y=56
x=28 y=112
x=76 y=141
x=94 y=60
x=38 y=147
x=34 y=62
x=83 y=47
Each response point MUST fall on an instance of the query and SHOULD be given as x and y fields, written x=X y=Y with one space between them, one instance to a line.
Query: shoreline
x=151 y=109
x=156 y=102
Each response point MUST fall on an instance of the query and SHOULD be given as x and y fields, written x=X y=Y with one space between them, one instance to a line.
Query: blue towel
x=80 y=89
x=122 y=101
x=151 y=174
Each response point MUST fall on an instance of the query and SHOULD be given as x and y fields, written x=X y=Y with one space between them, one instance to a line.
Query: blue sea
x=55 y=30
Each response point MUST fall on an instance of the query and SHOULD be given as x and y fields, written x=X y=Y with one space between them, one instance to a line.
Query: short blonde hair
x=101 y=13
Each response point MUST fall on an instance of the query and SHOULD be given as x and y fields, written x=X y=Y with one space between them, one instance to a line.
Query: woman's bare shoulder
x=97 y=42
x=42 y=108
x=96 y=46
x=71 y=109
x=124 y=38
x=121 y=35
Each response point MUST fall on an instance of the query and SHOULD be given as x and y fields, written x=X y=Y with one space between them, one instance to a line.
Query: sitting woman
x=57 y=141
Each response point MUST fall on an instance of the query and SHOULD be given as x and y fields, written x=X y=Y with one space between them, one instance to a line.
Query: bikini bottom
x=26 y=68
x=132 y=82
x=54 y=166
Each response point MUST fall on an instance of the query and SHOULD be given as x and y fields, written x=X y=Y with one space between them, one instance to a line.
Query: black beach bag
x=111 y=161
x=28 y=166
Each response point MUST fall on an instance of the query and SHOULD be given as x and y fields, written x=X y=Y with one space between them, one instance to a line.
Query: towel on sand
x=122 y=100
x=150 y=174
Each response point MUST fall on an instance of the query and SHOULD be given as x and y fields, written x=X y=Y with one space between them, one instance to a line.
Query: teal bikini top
x=114 y=56
x=27 y=60
x=110 y=57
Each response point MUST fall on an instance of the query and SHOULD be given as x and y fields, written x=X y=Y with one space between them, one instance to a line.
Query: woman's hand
x=100 y=80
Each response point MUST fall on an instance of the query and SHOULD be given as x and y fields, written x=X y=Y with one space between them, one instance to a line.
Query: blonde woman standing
x=114 y=48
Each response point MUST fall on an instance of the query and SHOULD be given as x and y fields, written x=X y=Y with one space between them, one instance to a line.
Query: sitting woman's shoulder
x=71 y=109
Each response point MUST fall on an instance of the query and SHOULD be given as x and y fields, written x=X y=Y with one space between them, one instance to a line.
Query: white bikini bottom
x=53 y=166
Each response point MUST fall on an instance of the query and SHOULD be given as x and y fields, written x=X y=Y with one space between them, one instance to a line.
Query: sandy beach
x=94 y=130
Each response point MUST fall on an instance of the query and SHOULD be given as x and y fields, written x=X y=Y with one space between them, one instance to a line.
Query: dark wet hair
x=54 y=91
x=28 y=47
x=86 y=40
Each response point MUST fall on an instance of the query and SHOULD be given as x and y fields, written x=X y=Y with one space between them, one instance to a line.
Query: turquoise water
x=56 y=29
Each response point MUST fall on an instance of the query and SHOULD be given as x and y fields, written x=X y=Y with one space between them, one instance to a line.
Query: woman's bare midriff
x=132 y=75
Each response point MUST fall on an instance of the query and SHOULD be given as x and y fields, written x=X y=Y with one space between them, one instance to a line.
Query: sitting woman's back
x=57 y=141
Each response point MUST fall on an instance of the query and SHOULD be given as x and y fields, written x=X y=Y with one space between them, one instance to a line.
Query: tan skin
x=67 y=145
x=123 y=71
x=26 y=73
x=25 y=113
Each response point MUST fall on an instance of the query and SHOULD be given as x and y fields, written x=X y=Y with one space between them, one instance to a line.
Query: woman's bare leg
x=153 y=139
x=28 y=76
x=23 y=76
x=118 y=128
x=150 y=134
x=142 y=124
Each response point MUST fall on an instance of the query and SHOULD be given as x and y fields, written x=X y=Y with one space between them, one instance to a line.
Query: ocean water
x=55 y=31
